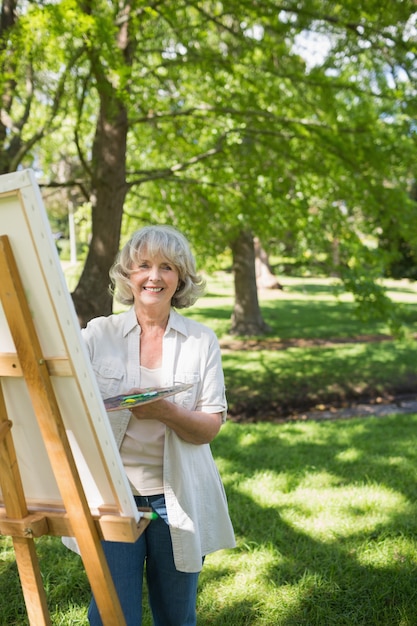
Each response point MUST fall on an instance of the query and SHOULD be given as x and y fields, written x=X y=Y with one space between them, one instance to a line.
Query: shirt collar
x=130 y=322
x=175 y=322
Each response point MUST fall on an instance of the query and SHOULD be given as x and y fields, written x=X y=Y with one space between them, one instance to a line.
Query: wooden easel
x=16 y=518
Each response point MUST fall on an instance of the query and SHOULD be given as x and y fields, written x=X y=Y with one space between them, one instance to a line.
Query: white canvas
x=24 y=220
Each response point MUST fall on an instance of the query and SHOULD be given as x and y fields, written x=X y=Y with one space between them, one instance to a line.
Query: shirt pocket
x=188 y=397
x=110 y=376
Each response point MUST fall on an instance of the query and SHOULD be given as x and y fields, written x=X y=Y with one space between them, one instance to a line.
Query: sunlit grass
x=305 y=308
x=324 y=515
x=325 y=531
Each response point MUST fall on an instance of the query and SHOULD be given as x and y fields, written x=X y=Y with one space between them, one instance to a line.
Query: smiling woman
x=164 y=445
x=173 y=248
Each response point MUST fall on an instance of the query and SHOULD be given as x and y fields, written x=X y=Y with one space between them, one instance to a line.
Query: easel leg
x=15 y=505
x=52 y=428
x=32 y=586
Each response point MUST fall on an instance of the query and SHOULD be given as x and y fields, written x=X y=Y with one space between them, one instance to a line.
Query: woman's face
x=153 y=281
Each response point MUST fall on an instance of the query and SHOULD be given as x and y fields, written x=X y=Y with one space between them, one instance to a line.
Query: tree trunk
x=91 y=296
x=335 y=257
x=246 y=317
x=265 y=278
x=108 y=177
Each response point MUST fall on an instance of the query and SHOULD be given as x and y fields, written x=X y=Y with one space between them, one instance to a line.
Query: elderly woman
x=164 y=445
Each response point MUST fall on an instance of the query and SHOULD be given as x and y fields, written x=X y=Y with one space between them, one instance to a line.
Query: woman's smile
x=154 y=276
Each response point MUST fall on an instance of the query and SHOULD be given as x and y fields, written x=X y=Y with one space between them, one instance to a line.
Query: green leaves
x=240 y=115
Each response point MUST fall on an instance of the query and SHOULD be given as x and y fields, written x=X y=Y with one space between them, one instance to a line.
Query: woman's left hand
x=193 y=426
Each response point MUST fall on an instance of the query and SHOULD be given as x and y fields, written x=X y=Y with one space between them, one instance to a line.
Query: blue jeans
x=172 y=594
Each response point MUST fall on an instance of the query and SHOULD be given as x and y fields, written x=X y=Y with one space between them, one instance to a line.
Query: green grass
x=324 y=514
x=306 y=308
x=335 y=356
x=270 y=381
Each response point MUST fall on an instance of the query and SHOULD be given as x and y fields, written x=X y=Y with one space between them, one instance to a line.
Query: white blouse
x=196 y=502
x=142 y=448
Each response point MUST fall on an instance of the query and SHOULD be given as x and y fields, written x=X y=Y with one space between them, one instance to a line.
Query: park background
x=281 y=139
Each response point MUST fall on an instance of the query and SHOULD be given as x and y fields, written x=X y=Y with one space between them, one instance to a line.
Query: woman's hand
x=193 y=426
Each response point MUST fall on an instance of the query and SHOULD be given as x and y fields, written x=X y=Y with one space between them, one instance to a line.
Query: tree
x=265 y=278
x=246 y=318
x=34 y=70
x=107 y=169
x=208 y=116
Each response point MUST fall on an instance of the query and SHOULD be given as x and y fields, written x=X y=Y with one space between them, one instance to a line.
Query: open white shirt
x=195 y=498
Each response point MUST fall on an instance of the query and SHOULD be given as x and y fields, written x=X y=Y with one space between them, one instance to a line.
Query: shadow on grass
x=337 y=585
x=327 y=288
x=313 y=289
x=12 y=607
x=63 y=578
x=265 y=384
x=327 y=319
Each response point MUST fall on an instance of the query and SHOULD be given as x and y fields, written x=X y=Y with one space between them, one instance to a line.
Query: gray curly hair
x=174 y=247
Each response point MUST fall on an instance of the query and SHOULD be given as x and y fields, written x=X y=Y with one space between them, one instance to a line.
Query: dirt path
x=377 y=408
x=284 y=344
x=402 y=404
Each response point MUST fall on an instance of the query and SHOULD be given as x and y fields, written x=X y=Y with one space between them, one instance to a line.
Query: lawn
x=324 y=512
x=326 y=353
x=325 y=519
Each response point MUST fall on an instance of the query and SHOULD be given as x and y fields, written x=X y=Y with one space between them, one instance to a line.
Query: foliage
x=294 y=123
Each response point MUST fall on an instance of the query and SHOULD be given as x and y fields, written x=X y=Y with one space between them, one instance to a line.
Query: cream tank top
x=142 y=448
